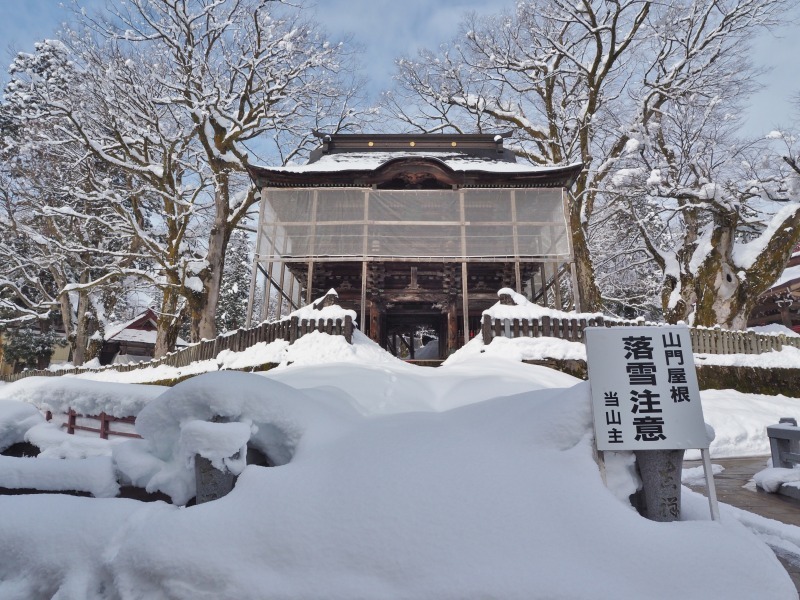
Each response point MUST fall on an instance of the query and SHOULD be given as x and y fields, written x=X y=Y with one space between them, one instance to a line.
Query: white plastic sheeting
x=460 y=224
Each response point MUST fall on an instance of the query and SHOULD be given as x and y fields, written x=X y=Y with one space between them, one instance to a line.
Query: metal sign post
x=710 y=486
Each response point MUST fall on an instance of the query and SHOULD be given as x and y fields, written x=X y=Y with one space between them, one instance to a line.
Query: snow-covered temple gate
x=413 y=231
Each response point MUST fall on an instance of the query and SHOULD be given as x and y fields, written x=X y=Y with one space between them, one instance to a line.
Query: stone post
x=212 y=484
x=660 y=471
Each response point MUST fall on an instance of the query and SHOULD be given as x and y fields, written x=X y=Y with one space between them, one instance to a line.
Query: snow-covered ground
x=473 y=480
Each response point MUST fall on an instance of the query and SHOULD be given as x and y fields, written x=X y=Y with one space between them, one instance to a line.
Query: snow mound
x=469 y=481
x=86 y=397
x=16 y=419
x=94 y=475
x=525 y=309
x=176 y=426
x=519 y=349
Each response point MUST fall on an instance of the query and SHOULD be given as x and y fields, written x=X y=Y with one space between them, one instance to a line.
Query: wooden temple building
x=414 y=232
x=781 y=303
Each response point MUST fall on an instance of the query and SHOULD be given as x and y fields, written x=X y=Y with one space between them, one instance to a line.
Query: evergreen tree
x=26 y=347
x=232 y=309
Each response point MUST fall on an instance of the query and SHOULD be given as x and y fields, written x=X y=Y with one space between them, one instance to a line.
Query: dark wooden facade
x=781 y=303
x=396 y=295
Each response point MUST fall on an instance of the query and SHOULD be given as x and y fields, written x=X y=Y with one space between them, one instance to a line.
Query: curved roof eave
x=563 y=176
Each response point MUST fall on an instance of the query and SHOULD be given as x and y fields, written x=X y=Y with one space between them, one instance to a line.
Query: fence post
x=546 y=326
x=486 y=329
x=575 y=332
x=103 y=426
x=71 y=421
x=348 y=329
x=293 y=329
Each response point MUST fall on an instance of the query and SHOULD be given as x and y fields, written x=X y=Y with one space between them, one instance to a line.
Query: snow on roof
x=113 y=329
x=136 y=335
x=788 y=275
x=369 y=161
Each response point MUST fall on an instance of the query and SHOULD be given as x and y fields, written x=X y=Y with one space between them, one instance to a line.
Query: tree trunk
x=217 y=243
x=169 y=322
x=66 y=317
x=82 y=332
x=587 y=292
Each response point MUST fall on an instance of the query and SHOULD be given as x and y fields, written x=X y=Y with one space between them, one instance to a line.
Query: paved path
x=730 y=485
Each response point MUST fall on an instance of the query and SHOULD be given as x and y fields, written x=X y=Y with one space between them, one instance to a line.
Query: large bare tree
x=170 y=93
x=578 y=81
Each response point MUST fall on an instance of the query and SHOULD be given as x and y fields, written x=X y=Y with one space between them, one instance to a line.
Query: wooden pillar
x=310 y=281
x=452 y=326
x=254 y=276
x=279 y=310
x=252 y=294
x=543 y=269
x=557 y=287
x=375 y=314
x=312 y=251
x=464 y=273
x=465 y=300
x=362 y=323
x=576 y=296
x=517 y=275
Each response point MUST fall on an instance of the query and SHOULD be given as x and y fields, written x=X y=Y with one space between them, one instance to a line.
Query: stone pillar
x=660 y=471
x=211 y=483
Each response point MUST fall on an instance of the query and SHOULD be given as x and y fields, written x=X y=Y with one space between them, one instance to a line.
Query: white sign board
x=644 y=389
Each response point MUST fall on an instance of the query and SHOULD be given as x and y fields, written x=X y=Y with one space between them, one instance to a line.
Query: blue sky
x=390 y=28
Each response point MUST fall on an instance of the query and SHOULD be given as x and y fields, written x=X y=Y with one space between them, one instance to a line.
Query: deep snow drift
x=473 y=480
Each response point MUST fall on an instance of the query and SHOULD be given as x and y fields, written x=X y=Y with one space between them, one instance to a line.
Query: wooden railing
x=289 y=330
x=704 y=341
x=104 y=426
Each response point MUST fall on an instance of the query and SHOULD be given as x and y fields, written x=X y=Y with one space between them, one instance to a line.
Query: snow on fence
x=704 y=341
x=289 y=330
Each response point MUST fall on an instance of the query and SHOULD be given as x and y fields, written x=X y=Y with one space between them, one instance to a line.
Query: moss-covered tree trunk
x=713 y=289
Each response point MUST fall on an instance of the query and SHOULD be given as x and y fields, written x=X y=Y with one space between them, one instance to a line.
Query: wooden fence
x=289 y=330
x=704 y=341
x=104 y=426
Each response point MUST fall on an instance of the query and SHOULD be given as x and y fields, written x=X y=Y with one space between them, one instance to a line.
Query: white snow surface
x=59 y=394
x=473 y=480
x=94 y=475
x=774 y=329
x=16 y=419
x=786 y=358
x=525 y=309
x=697 y=475
x=522 y=348
x=772 y=478
x=740 y=421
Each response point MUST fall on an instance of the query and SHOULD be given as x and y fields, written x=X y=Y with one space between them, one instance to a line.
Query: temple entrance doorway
x=415 y=331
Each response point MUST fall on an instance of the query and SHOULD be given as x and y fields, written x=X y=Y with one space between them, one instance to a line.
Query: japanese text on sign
x=644 y=389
